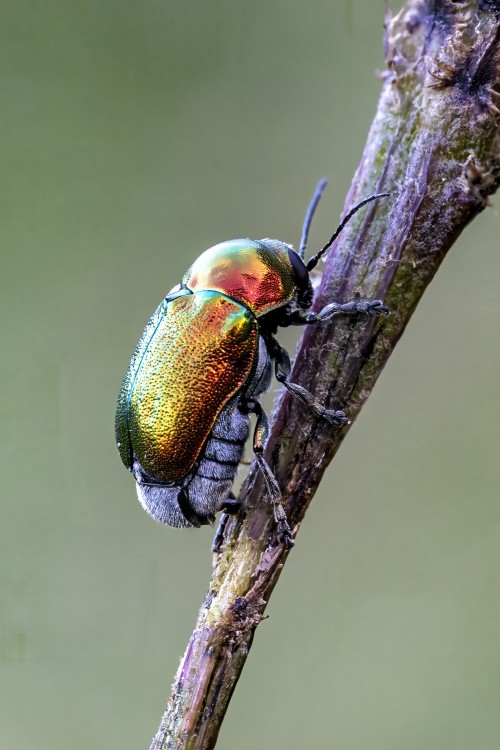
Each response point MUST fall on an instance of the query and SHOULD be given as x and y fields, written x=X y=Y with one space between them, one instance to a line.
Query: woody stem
x=435 y=146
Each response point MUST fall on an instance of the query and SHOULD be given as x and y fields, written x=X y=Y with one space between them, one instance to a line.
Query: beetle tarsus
x=284 y=531
x=337 y=418
x=374 y=308
x=283 y=528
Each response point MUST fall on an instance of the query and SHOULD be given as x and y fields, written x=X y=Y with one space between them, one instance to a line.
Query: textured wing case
x=196 y=352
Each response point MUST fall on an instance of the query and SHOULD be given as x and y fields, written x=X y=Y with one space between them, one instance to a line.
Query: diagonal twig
x=435 y=146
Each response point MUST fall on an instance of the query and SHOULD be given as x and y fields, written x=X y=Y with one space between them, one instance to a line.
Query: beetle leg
x=231 y=507
x=260 y=436
x=373 y=308
x=282 y=369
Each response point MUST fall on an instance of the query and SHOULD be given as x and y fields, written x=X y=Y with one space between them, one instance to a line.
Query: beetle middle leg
x=282 y=370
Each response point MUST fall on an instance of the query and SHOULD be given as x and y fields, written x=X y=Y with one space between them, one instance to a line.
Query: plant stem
x=435 y=146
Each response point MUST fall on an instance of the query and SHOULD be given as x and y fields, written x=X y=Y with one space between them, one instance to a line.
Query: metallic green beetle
x=197 y=373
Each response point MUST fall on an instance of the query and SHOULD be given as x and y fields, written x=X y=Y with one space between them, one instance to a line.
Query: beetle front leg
x=282 y=369
x=260 y=436
x=356 y=306
x=374 y=308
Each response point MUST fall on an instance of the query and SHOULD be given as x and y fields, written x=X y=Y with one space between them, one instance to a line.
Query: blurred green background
x=133 y=136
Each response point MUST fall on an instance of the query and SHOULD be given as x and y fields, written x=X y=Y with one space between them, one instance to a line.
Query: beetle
x=203 y=361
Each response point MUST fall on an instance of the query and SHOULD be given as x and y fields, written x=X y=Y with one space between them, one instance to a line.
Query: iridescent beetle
x=197 y=373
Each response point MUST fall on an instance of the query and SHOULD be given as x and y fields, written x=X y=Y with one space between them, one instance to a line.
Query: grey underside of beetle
x=206 y=487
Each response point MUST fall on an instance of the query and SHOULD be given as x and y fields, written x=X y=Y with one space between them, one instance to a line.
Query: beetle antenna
x=311 y=210
x=313 y=262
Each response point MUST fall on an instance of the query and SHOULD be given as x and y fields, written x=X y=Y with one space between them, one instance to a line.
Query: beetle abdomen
x=199 y=354
x=163 y=503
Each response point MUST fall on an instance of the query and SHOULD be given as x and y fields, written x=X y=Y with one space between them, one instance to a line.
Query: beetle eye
x=302 y=279
x=299 y=268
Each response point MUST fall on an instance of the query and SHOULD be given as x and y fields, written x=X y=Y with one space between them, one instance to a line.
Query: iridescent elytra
x=202 y=363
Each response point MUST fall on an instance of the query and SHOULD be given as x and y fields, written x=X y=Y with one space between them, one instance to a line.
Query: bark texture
x=435 y=145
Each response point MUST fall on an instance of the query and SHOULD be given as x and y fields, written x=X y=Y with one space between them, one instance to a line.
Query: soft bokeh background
x=134 y=134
